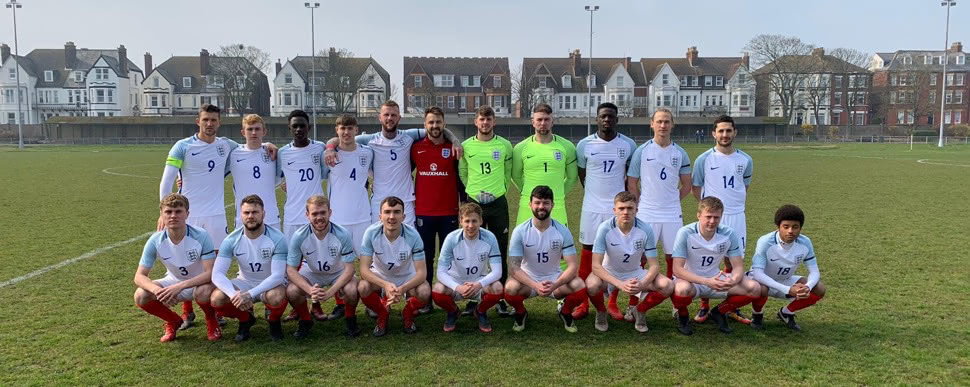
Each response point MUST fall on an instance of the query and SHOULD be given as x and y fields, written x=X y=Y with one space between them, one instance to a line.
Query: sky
x=389 y=30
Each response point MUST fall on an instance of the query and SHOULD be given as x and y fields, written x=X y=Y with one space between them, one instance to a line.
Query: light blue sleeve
x=229 y=244
x=634 y=170
x=364 y=139
x=447 y=250
x=811 y=249
x=599 y=244
x=150 y=251
x=631 y=151
x=568 y=246
x=233 y=145
x=650 y=250
x=347 y=253
x=416 y=134
x=734 y=250
x=295 y=248
x=680 y=243
x=367 y=242
x=580 y=152
x=515 y=242
x=697 y=177
x=684 y=162
x=279 y=248
x=748 y=170
x=760 y=258
x=176 y=155
x=417 y=245
x=324 y=169
x=208 y=250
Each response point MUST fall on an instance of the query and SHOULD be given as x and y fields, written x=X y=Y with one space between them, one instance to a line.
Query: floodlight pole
x=13 y=5
x=946 y=48
x=313 y=66
x=589 y=72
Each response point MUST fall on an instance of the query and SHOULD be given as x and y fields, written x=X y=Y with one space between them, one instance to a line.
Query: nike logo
x=694 y=248
x=419 y=152
x=311 y=253
x=614 y=244
x=459 y=259
x=528 y=245
x=166 y=258
x=240 y=254
x=337 y=163
x=594 y=154
x=772 y=260
x=529 y=156
x=196 y=154
x=378 y=253
x=713 y=168
x=649 y=159
x=240 y=160
x=290 y=162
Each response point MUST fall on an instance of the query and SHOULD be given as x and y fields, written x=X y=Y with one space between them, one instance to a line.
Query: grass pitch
x=886 y=223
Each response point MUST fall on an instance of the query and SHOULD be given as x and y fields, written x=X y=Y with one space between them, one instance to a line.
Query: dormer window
x=907 y=60
x=542 y=82
x=78 y=76
x=187 y=82
x=620 y=80
x=48 y=76
x=154 y=81
x=287 y=79
x=567 y=82
x=961 y=59
x=592 y=80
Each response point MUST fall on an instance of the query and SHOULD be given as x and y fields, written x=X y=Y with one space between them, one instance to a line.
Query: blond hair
x=252 y=119
x=174 y=200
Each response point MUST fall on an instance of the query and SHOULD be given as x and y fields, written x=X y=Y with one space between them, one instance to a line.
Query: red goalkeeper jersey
x=436 y=180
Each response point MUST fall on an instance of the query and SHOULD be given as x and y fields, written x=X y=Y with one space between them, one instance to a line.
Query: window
x=859 y=118
x=933 y=96
x=464 y=80
x=464 y=103
x=78 y=76
x=478 y=101
x=682 y=100
x=707 y=80
x=451 y=102
x=287 y=99
x=892 y=79
x=667 y=101
x=11 y=118
x=154 y=101
x=186 y=82
x=438 y=101
x=417 y=81
x=164 y=100
x=542 y=82
x=837 y=99
x=927 y=59
x=707 y=100
x=620 y=80
x=664 y=79
x=957 y=117
x=371 y=80
x=13 y=73
x=946 y=117
x=240 y=82
x=100 y=114
x=742 y=78
x=859 y=98
x=933 y=79
x=695 y=101
x=694 y=80
x=154 y=81
x=959 y=79
x=720 y=100
x=837 y=80
x=345 y=81
x=100 y=74
x=218 y=81
x=658 y=99
x=111 y=96
x=567 y=82
x=447 y=80
x=287 y=79
x=683 y=80
x=719 y=81
x=48 y=76
x=907 y=60
x=734 y=99
x=961 y=60
x=592 y=80
x=99 y=96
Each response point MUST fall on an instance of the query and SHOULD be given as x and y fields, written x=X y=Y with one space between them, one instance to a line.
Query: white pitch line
x=84 y=256
x=859 y=157
x=927 y=161
x=108 y=171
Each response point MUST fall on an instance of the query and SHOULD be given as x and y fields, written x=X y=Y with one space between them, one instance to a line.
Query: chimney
x=123 y=60
x=626 y=64
x=279 y=66
x=70 y=55
x=746 y=61
x=4 y=53
x=204 y=61
x=577 y=60
x=692 y=55
x=148 y=63
x=818 y=51
x=956 y=47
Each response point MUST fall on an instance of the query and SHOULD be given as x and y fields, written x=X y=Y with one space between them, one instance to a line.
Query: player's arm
x=748 y=170
x=367 y=275
x=494 y=264
x=417 y=259
x=572 y=170
x=145 y=266
x=459 y=184
x=517 y=167
x=685 y=175
x=219 y=278
x=738 y=274
x=697 y=176
x=444 y=262
x=347 y=258
x=463 y=169
x=515 y=260
x=508 y=162
x=653 y=268
x=599 y=252
x=680 y=260
x=759 y=262
x=581 y=162
x=294 y=255
x=570 y=256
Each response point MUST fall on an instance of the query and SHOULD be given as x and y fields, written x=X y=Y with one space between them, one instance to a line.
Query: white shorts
x=550 y=277
x=457 y=296
x=738 y=224
x=244 y=286
x=704 y=291
x=290 y=229
x=589 y=222
x=375 y=212
x=357 y=233
x=665 y=233
x=636 y=274
x=184 y=295
x=215 y=225
x=318 y=278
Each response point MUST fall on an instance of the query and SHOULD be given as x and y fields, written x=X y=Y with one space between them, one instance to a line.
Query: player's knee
x=218 y=298
x=494 y=288
x=350 y=291
x=143 y=296
x=438 y=287
x=819 y=289
x=202 y=293
x=275 y=295
x=665 y=286
x=423 y=291
x=683 y=288
x=577 y=284
x=763 y=291
x=363 y=288
x=294 y=293
x=751 y=288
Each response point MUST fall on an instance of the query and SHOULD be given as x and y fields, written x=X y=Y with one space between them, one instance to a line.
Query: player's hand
x=801 y=291
x=330 y=157
x=283 y=186
x=178 y=182
x=631 y=286
x=318 y=294
x=392 y=293
x=458 y=150
x=720 y=282
x=271 y=150
x=545 y=288
x=161 y=224
x=242 y=300
x=169 y=294
x=484 y=197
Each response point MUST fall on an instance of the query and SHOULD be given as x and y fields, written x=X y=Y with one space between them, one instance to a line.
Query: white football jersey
x=622 y=252
x=322 y=256
x=304 y=171
x=541 y=251
x=392 y=163
x=347 y=186
x=704 y=256
x=469 y=260
x=393 y=259
x=659 y=170
x=203 y=168
x=606 y=163
x=779 y=261
x=253 y=172
x=254 y=256
x=183 y=260
x=725 y=177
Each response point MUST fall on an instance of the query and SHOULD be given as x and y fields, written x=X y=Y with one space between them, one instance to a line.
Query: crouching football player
x=327 y=251
x=469 y=267
x=187 y=253
x=699 y=249
x=619 y=245
x=776 y=257
x=535 y=250
x=260 y=252
x=390 y=261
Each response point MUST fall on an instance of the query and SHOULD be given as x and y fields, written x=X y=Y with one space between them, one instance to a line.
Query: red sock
x=229 y=310
x=634 y=300
x=276 y=311
x=350 y=311
x=573 y=300
x=613 y=296
x=412 y=305
x=585 y=263
x=706 y=303
x=210 y=312
x=670 y=266
x=444 y=301
x=803 y=303
x=186 y=307
x=337 y=299
x=653 y=299
x=302 y=311
x=517 y=302
x=373 y=301
x=758 y=305
x=163 y=312
x=597 y=301
x=681 y=303
x=488 y=301
x=734 y=302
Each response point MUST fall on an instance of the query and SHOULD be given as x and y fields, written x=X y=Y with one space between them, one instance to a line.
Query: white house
x=342 y=84
x=700 y=86
x=563 y=84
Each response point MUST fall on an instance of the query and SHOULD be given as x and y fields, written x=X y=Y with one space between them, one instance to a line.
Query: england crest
x=399 y=142
x=363 y=161
x=482 y=256
x=674 y=161
x=740 y=169
x=402 y=256
x=721 y=248
x=556 y=245
x=222 y=152
x=315 y=159
x=266 y=158
x=638 y=245
x=333 y=251
x=799 y=258
x=621 y=153
x=266 y=253
x=558 y=155
x=193 y=255
x=445 y=152
x=496 y=155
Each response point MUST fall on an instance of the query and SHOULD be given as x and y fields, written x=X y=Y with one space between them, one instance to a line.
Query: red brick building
x=457 y=85
x=910 y=86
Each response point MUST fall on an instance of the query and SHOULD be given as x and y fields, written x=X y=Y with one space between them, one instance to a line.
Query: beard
x=540 y=214
x=255 y=226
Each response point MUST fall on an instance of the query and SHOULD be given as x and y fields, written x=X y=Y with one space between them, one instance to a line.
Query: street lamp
x=589 y=72
x=946 y=48
x=13 y=5
x=313 y=67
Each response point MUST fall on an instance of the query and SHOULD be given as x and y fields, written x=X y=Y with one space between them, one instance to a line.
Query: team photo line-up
x=396 y=197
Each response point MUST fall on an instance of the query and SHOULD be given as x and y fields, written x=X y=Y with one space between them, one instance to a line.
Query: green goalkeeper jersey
x=486 y=166
x=552 y=164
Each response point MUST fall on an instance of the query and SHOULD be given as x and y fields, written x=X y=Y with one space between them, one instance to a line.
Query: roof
x=723 y=66
x=895 y=61
x=885 y=56
x=52 y=59
x=178 y=67
x=811 y=63
x=458 y=66
x=602 y=69
x=355 y=66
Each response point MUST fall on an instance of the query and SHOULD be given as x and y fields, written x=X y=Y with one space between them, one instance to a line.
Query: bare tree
x=784 y=66
x=523 y=88
x=242 y=70
x=853 y=86
x=914 y=93
x=817 y=93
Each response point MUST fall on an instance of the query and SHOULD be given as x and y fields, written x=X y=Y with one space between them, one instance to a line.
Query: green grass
x=888 y=232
